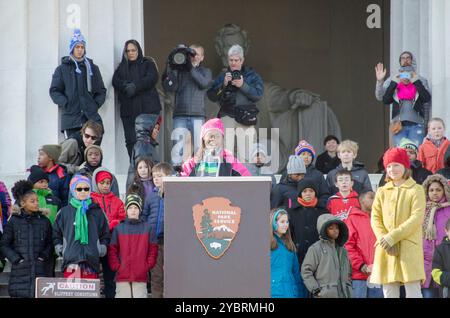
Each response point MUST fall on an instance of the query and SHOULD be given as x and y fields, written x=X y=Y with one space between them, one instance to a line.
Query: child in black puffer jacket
x=27 y=242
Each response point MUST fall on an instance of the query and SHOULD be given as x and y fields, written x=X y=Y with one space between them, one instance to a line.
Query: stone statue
x=297 y=113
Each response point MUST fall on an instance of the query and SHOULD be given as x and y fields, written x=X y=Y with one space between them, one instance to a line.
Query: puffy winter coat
x=361 y=242
x=397 y=215
x=440 y=219
x=132 y=253
x=153 y=213
x=143 y=73
x=285 y=278
x=431 y=156
x=70 y=92
x=249 y=94
x=342 y=207
x=59 y=181
x=302 y=222
x=230 y=167
x=361 y=180
x=27 y=237
x=326 y=270
x=72 y=251
x=441 y=265
x=145 y=146
x=284 y=194
x=112 y=206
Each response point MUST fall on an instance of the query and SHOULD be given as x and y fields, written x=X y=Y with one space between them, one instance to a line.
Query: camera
x=179 y=58
x=235 y=75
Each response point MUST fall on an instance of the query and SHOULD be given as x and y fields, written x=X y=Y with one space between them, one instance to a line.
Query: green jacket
x=49 y=204
x=326 y=270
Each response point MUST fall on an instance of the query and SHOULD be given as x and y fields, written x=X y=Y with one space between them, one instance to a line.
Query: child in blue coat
x=285 y=276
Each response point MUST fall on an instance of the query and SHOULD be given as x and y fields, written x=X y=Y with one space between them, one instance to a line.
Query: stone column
x=37 y=34
x=439 y=33
x=423 y=27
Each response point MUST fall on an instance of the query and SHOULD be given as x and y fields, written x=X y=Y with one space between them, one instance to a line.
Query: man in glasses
x=72 y=154
x=77 y=88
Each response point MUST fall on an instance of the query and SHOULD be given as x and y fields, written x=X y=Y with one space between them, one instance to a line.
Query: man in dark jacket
x=135 y=83
x=77 y=87
x=189 y=85
x=238 y=87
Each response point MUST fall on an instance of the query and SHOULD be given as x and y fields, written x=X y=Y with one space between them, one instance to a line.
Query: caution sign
x=67 y=288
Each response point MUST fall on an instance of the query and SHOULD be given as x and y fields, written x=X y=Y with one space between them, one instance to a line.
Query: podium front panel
x=217 y=237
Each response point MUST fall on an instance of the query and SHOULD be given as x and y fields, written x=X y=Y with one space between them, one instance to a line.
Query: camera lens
x=179 y=58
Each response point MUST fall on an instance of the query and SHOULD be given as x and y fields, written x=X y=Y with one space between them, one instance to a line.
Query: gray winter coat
x=190 y=90
x=326 y=270
x=359 y=175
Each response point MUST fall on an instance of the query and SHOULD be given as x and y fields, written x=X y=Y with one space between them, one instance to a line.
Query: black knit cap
x=306 y=183
x=36 y=174
x=330 y=137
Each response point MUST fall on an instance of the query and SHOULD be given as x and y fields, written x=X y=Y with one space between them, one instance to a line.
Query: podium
x=217 y=237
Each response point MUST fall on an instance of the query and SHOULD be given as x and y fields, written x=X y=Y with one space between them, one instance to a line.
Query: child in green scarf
x=49 y=204
x=81 y=232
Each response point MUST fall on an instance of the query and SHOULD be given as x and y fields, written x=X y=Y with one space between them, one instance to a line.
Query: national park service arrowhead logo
x=216 y=224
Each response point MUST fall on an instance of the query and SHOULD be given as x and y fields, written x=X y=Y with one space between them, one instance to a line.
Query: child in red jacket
x=113 y=208
x=361 y=248
x=432 y=151
x=132 y=251
x=342 y=203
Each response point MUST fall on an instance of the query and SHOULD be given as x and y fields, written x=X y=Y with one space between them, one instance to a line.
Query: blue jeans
x=191 y=124
x=412 y=131
x=360 y=290
x=430 y=292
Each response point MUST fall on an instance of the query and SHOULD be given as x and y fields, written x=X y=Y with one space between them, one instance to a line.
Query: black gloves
x=129 y=89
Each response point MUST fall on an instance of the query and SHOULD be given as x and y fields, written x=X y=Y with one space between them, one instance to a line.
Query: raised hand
x=380 y=72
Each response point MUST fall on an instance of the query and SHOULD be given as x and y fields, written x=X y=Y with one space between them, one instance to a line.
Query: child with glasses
x=81 y=232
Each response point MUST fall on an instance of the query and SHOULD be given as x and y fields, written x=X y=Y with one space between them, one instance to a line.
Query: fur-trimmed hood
x=437 y=178
x=15 y=210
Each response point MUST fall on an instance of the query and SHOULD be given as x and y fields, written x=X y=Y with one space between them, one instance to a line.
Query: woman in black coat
x=27 y=243
x=135 y=83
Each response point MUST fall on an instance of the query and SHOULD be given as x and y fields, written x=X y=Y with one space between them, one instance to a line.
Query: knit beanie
x=397 y=155
x=78 y=178
x=93 y=147
x=53 y=151
x=37 y=174
x=306 y=183
x=296 y=165
x=303 y=146
x=133 y=199
x=215 y=123
x=102 y=175
x=77 y=38
x=406 y=143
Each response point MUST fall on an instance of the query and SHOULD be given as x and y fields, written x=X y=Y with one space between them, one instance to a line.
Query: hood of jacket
x=437 y=178
x=327 y=219
x=124 y=52
x=94 y=184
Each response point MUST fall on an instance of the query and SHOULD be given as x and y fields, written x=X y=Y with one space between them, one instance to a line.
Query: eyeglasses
x=87 y=136
x=83 y=189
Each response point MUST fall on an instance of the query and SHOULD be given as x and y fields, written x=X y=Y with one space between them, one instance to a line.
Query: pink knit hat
x=215 y=123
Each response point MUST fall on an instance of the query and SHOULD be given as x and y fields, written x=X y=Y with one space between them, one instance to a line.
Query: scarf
x=43 y=205
x=81 y=222
x=429 y=225
x=88 y=67
x=311 y=204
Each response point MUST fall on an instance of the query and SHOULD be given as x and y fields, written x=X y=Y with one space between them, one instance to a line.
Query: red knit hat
x=102 y=175
x=398 y=155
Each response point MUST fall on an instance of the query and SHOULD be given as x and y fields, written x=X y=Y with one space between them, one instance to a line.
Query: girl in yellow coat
x=396 y=220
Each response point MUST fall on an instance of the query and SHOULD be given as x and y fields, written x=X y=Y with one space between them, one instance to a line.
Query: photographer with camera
x=189 y=80
x=408 y=95
x=237 y=89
